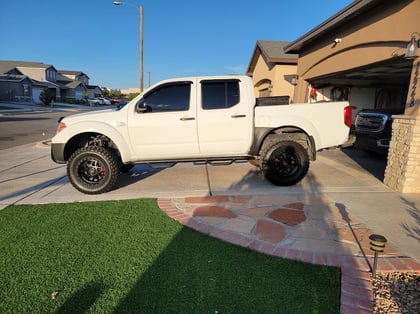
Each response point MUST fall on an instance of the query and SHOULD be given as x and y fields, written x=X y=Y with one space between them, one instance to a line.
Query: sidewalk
x=325 y=219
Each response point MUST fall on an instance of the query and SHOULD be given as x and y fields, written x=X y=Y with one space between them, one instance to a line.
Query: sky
x=180 y=38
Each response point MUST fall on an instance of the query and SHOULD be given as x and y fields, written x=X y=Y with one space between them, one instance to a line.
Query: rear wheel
x=93 y=169
x=284 y=162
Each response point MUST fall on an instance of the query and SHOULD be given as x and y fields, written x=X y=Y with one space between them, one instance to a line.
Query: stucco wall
x=280 y=76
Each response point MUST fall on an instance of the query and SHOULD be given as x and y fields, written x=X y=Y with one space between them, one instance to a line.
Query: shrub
x=46 y=96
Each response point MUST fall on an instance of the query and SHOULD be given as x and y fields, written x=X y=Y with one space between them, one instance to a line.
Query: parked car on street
x=115 y=101
x=94 y=102
x=105 y=101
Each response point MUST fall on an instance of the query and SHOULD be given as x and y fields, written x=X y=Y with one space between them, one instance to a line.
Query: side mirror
x=141 y=106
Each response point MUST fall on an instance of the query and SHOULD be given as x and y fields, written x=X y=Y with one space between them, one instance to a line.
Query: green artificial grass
x=129 y=257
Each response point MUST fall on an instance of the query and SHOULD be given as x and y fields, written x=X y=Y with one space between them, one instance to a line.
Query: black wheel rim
x=91 y=170
x=285 y=162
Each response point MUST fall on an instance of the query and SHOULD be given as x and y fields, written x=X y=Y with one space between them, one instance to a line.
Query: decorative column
x=402 y=172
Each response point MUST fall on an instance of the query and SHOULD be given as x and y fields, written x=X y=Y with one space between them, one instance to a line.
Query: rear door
x=224 y=115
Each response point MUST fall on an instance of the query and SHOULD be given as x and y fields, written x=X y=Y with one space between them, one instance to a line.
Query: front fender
x=117 y=134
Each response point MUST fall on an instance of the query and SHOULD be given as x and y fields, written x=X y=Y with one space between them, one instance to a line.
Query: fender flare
x=261 y=134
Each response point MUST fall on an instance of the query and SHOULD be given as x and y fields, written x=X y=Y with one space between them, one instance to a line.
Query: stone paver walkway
x=313 y=229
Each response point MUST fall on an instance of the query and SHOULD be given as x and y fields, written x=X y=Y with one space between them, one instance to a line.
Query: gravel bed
x=396 y=293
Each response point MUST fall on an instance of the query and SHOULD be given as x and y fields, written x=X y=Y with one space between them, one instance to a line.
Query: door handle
x=238 y=116
x=187 y=118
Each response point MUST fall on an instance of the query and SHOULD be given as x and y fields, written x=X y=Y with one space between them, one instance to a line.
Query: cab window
x=169 y=97
x=219 y=94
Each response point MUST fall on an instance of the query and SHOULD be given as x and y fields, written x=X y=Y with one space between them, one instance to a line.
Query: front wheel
x=284 y=162
x=93 y=169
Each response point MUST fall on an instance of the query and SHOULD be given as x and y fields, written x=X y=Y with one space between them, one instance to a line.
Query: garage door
x=36 y=92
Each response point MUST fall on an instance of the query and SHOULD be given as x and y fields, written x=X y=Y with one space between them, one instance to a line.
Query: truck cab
x=192 y=118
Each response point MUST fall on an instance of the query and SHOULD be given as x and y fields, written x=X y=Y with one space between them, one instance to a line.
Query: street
x=29 y=127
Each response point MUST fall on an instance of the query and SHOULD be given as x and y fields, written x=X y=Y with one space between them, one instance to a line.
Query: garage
x=384 y=84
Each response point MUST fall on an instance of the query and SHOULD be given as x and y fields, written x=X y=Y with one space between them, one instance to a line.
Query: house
x=94 y=91
x=273 y=71
x=15 y=88
x=368 y=54
x=25 y=81
x=75 y=76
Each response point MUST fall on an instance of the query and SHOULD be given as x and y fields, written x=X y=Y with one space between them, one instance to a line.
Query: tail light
x=348 y=116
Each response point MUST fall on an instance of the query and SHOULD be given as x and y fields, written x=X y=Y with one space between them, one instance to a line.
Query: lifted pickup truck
x=210 y=119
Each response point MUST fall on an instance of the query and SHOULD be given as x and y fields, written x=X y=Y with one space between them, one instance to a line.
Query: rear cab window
x=219 y=94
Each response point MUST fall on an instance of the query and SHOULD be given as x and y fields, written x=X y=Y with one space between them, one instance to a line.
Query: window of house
x=219 y=94
x=170 y=97
x=50 y=75
x=25 y=90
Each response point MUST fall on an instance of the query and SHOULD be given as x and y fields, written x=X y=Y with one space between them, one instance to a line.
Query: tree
x=46 y=96
x=114 y=93
x=132 y=96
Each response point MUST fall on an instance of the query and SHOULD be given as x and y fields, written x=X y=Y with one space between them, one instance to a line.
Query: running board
x=221 y=162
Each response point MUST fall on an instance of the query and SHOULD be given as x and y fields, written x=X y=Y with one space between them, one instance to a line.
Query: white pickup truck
x=211 y=119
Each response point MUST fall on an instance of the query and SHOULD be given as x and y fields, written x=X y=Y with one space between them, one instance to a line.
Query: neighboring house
x=273 y=71
x=131 y=90
x=75 y=76
x=94 y=91
x=73 y=90
x=35 y=77
x=15 y=88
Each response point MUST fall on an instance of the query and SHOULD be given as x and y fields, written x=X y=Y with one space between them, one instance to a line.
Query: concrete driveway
x=30 y=176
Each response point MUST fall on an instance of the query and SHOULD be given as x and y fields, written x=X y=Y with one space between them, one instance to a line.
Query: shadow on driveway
x=373 y=163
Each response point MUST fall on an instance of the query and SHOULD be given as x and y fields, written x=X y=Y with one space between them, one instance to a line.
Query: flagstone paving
x=310 y=229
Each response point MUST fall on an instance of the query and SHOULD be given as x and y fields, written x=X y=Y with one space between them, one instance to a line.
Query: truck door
x=224 y=117
x=164 y=124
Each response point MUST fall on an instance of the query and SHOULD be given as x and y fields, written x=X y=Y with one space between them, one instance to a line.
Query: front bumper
x=57 y=153
x=372 y=143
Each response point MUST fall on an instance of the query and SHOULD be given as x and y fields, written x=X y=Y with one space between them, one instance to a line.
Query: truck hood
x=98 y=115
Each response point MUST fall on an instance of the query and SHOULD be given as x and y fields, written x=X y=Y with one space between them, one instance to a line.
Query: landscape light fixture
x=140 y=8
x=411 y=52
x=377 y=245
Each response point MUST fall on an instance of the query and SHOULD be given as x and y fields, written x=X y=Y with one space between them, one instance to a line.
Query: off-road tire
x=284 y=162
x=93 y=169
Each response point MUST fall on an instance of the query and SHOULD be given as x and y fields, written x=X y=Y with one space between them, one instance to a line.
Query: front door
x=166 y=127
